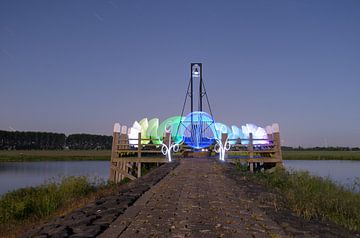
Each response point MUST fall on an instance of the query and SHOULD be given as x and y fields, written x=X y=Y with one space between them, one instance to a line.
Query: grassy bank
x=314 y=197
x=59 y=155
x=321 y=155
x=23 y=207
x=53 y=155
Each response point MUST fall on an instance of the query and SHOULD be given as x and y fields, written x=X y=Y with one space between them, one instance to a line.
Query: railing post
x=277 y=147
x=167 y=138
x=251 y=151
x=124 y=141
x=224 y=137
x=269 y=133
x=167 y=142
x=139 y=156
x=114 y=154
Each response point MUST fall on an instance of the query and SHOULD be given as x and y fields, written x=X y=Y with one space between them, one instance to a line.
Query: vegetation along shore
x=313 y=197
x=24 y=207
x=53 y=155
x=320 y=155
x=68 y=155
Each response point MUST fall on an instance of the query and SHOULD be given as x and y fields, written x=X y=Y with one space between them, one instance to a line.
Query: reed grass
x=53 y=155
x=42 y=201
x=22 y=208
x=321 y=155
x=316 y=197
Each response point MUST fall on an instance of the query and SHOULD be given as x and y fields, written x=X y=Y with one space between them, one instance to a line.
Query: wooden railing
x=127 y=156
x=255 y=152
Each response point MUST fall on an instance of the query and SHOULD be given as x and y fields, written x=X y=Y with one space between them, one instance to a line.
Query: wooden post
x=139 y=169
x=114 y=154
x=124 y=138
x=277 y=148
x=139 y=156
x=251 y=151
x=224 y=137
x=167 y=138
x=167 y=142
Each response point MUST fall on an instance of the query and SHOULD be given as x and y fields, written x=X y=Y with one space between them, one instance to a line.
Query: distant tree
x=88 y=142
x=31 y=140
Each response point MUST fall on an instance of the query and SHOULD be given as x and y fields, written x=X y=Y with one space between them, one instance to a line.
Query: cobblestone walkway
x=195 y=200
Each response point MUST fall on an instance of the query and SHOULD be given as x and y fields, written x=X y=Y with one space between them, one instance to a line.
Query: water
x=14 y=175
x=343 y=172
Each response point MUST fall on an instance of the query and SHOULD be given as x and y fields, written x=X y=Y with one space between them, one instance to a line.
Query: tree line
x=28 y=140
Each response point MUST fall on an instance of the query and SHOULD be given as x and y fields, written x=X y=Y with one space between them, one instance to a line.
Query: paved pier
x=196 y=199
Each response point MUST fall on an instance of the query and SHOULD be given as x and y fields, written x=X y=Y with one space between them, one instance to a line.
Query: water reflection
x=343 y=172
x=14 y=175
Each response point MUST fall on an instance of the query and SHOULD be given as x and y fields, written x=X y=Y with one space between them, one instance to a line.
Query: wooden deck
x=128 y=157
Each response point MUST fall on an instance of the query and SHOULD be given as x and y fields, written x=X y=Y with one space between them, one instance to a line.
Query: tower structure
x=197 y=126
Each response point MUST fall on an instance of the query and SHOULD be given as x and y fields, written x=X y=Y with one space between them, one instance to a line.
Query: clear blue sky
x=79 y=66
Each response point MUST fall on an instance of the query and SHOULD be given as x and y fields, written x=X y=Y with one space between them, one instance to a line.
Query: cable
x=182 y=111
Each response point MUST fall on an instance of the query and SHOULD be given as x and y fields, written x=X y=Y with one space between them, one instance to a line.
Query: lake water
x=342 y=172
x=14 y=175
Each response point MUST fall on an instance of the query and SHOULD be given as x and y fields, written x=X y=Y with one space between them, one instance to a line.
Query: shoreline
x=54 y=155
x=104 y=155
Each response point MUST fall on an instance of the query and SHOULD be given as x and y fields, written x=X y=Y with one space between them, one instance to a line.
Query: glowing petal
x=171 y=124
x=236 y=134
x=152 y=131
x=117 y=127
x=222 y=128
x=134 y=133
x=268 y=130
x=275 y=128
x=258 y=133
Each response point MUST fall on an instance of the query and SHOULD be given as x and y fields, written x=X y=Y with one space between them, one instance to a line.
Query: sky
x=80 y=66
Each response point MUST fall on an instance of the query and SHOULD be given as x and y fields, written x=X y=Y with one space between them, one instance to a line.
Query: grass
x=53 y=155
x=321 y=155
x=24 y=207
x=315 y=197
x=62 y=155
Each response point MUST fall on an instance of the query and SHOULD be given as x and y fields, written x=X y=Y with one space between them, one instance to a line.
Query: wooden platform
x=126 y=157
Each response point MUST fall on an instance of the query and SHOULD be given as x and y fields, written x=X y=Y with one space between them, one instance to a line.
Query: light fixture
x=196 y=70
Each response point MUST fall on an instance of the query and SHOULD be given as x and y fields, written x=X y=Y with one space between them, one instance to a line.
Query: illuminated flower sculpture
x=134 y=133
x=257 y=132
x=152 y=131
x=172 y=125
x=198 y=130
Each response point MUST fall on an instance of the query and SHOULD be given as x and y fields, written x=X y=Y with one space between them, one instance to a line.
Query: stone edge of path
x=95 y=218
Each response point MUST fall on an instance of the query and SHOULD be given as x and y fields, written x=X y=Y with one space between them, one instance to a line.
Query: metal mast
x=195 y=74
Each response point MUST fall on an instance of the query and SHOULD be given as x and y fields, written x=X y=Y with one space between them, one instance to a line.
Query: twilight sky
x=79 y=66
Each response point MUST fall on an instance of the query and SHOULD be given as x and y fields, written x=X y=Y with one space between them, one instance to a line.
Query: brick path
x=199 y=198
x=95 y=217
x=195 y=200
